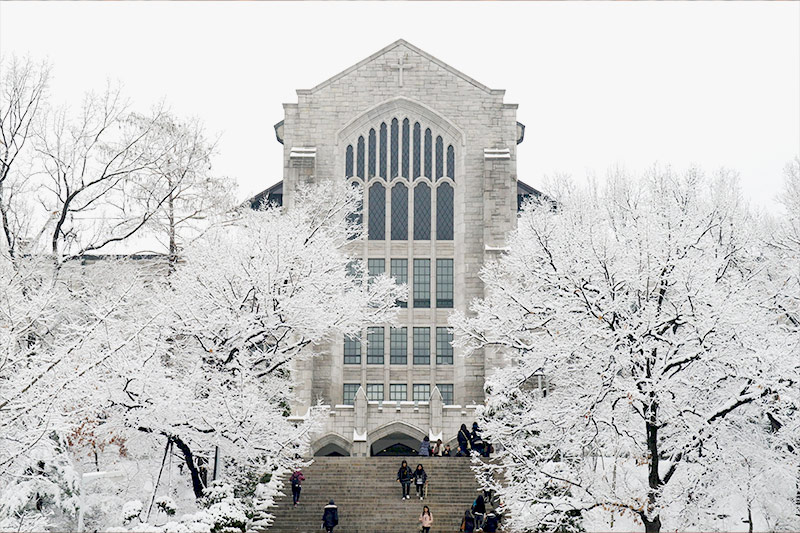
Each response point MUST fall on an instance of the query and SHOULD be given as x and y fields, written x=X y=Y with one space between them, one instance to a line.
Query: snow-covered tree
x=646 y=308
x=180 y=189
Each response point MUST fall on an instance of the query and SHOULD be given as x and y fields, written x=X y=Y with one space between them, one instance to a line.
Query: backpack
x=295 y=479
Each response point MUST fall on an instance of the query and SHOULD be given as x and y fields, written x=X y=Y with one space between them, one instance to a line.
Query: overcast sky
x=598 y=84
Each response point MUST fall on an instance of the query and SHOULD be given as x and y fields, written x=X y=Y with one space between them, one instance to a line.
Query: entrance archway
x=332 y=445
x=395 y=439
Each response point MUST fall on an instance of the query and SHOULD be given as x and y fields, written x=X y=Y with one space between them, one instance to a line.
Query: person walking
x=296 y=480
x=330 y=517
x=463 y=440
x=404 y=476
x=492 y=523
x=468 y=522
x=476 y=440
x=426 y=519
x=420 y=478
x=425 y=447
x=479 y=511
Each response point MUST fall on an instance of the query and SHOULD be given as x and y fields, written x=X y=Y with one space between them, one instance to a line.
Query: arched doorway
x=395 y=439
x=332 y=445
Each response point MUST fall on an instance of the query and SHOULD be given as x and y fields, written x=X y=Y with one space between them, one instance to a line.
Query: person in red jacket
x=296 y=480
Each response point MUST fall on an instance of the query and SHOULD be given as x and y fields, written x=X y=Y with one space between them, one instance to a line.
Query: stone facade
x=472 y=136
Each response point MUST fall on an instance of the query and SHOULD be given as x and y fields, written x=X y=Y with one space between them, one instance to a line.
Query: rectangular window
x=375 y=346
x=375 y=391
x=422 y=282
x=400 y=275
x=398 y=346
x=422 y=346
x=350 y=390
x=398 y=392
x=444 y=283
x=376 y=267
x=447 y=393
x=444 y=350
x=422 y=393
x=352 y=350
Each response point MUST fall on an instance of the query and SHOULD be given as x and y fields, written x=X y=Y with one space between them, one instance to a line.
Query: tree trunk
x=652 y=526
x=197 y=482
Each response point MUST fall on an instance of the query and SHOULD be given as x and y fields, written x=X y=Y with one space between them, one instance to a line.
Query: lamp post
x=90 y=476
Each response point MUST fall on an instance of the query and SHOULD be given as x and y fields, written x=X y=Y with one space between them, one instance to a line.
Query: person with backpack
x=330 y=517
x=468 y=522
x=425 y=447
x=475 y=439
x=404 y=477
x=420 y=478
x=296 y=480
x=463 y=441
x=479 y=511
x=492 y=523
x=426 y=518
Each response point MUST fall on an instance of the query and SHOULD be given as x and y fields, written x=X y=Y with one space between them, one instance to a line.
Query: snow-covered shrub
x=131 y=510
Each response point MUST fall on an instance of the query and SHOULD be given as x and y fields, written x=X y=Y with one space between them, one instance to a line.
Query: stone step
x=368 y=496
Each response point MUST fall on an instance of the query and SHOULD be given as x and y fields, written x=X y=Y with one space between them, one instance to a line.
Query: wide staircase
x=369 y=497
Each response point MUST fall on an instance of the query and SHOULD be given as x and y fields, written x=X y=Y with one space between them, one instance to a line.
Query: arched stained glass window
x=444 y=212
x=360 y=158
x=428 y=154
x=417 y=149
x=439 y=157
x=422 y=212
x=404 y=158
x=382 y=166
x=348 y=162
x=372 y=154
x=451 y=162
x=394 y=149
x=399 y=212
x=377 y=212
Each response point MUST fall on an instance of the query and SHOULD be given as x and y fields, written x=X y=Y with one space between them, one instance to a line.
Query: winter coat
x=426 y=519
x=468 y=524
x=330 y=517
x=404 y=475
x=491 y=524
x=425 y=448
x=297 y=478
x=420 y=477
x=479 y=506
x=463 y=438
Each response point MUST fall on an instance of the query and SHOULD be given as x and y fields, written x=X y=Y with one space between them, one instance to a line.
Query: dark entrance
x=396 y=444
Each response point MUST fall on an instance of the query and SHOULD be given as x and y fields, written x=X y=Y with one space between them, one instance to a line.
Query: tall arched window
x=439 y=157
x=393 y=148
x=451 y=162
x=372 y=154
x=444 y=212
x=348 y=162
x=355 y=217
x=399 y=212
x=382 y=165
x=360 y=158
x=422 y=212
x=417 y=149
x=428 y=154
x=406 y=142
x=377 y=212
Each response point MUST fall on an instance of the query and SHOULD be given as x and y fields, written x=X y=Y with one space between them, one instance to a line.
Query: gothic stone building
x=435 y=153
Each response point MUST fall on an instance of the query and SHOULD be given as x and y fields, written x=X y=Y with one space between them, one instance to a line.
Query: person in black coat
x=492 y=523
x=420 y=478
x=468 y=523
x=404 y=477
x=479 y=510
x=330 y=517
x=463 y=440
x=476 y=440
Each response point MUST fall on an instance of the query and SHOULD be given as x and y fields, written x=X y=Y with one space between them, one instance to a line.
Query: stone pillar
x=436 y=407
x=360 y=425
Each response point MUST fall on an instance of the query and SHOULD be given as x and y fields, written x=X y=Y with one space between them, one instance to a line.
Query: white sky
x=599 y=84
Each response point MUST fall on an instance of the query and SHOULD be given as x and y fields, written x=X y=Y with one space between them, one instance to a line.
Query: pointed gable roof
x=397 y=43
